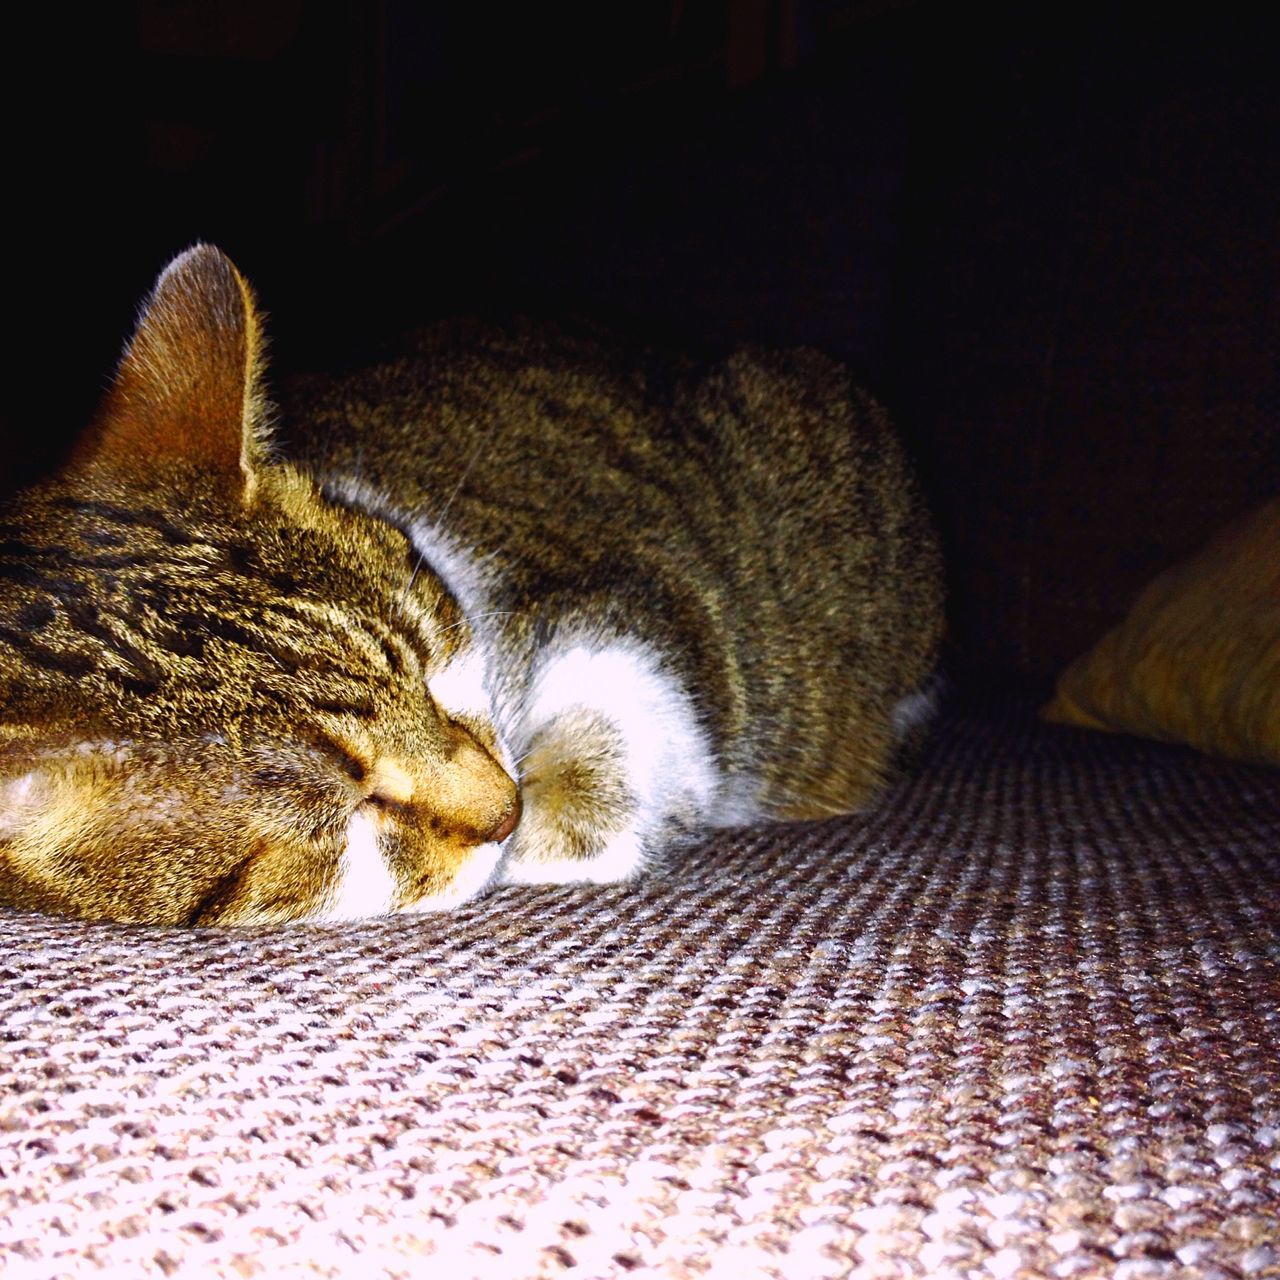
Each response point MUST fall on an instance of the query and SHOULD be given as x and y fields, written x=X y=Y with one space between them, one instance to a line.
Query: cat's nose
x=508 y=824
x=472 y=794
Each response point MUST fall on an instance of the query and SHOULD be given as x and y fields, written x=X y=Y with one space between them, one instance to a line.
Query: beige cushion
x=1197 y=660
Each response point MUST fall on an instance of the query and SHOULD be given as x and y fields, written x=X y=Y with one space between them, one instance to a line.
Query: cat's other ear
x=189 y=385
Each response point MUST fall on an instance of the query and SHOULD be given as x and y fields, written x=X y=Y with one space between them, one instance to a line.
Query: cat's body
x=662 y=598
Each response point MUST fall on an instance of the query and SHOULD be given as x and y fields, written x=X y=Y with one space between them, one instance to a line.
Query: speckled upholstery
x=1022 y=1020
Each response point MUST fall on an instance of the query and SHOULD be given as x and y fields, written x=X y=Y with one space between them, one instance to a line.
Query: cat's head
x=223 y=698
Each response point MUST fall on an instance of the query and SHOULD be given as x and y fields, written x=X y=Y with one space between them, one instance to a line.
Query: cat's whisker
x=468 y=621
x=408 y=586
x=466 y=471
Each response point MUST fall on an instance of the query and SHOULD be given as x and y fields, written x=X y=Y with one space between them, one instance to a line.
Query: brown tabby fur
x=212 y=657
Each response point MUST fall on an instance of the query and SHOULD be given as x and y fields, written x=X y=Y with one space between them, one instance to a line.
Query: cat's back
x=521 y=421
x=752 y=518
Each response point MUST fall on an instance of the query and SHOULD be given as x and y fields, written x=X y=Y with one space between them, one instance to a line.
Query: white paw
x=621 y=859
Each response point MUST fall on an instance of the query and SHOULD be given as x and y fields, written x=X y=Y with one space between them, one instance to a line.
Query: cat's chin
x=478 y=875
x=366 y=889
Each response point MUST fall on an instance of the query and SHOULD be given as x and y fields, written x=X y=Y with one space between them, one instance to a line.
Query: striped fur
x=517 y=605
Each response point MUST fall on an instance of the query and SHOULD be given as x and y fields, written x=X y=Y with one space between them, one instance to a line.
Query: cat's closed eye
x=211 y=834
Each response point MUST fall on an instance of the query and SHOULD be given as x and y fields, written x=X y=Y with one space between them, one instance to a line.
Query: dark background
x=1047 y=236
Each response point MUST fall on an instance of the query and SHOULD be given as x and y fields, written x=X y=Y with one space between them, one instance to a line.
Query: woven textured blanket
x=1021 y=1020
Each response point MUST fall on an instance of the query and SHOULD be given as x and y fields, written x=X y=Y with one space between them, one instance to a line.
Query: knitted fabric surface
x=1021 y=1020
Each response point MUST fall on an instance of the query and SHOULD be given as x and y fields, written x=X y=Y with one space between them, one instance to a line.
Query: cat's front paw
x=622 y=858
x=579 y=811
x=615 y=765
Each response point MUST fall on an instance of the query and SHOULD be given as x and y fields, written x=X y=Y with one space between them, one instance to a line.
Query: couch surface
x=1021 y=1020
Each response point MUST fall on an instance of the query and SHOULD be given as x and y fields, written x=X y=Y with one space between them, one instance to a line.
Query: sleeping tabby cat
x=507 y=609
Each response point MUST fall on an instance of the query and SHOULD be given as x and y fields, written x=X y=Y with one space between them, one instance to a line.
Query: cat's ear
x=188 y=386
